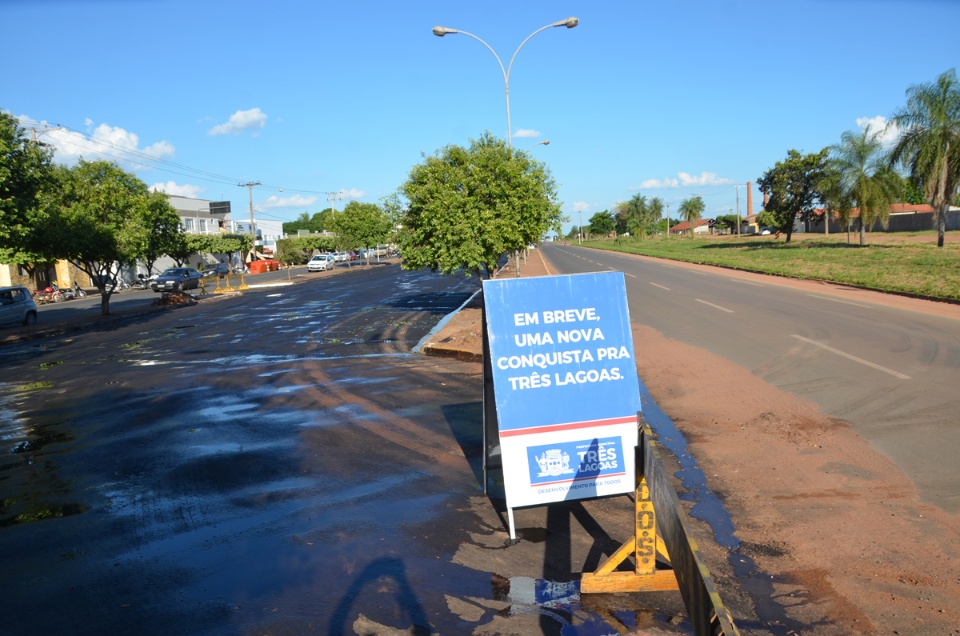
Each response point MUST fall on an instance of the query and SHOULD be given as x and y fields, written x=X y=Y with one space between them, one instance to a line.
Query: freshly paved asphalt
x=278 y=462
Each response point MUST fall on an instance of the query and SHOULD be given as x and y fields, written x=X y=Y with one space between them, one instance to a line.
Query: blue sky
x=662 y=98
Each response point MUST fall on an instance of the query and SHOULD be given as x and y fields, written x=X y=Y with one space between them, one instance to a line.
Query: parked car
x=320 y=262
x=17 y=306
x=215 y=269
x=339 y=257
x=177 y=279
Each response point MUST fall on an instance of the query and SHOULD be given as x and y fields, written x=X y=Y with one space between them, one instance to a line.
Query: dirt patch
x=835 y=536
x=835 y=525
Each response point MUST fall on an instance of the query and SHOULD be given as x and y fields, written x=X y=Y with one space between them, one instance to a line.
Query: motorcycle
x=141 y=282
x=77 y=292
x=51 y=294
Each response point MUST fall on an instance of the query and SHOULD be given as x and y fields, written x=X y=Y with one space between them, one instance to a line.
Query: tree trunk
x=942 y=225
x=104 y=304
x=942 y=196
x=863 y=234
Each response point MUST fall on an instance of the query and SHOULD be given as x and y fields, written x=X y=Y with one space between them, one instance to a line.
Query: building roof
x=684 y=226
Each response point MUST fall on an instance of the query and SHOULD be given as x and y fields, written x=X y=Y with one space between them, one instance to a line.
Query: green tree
x=691 y=211
x=160 y=231
x=727 y=221
x=766 y=219
x=602 y=224
x=26 y=175
x=638 y=216
x=297 y=250
x=318 y=222
x=835 y=199
x=929 y=143
x=793 y=188
x=863 y=176
x=361 y=225
x=655 y=215
x=466 y=207
x=98 y=222
x=215 y=244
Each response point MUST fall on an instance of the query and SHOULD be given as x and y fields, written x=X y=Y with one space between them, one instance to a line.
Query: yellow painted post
x=243 y=283
x=227 y=287
x=645 y=576
x=646 y=530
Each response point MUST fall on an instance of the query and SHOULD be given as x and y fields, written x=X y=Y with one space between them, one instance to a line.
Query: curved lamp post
x=545 y=142
x=440 y=31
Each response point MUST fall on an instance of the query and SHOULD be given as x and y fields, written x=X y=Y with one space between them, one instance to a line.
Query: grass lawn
x=908 y=263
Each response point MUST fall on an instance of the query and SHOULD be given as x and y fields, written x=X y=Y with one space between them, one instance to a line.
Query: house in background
x=700 y=226
x=200 y=216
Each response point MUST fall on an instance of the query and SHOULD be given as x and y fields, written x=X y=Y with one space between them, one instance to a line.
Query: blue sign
x=565 y=382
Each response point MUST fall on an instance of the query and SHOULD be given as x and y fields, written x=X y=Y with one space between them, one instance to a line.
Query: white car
x=340 y=256
x=17 y=306
x=320 y=262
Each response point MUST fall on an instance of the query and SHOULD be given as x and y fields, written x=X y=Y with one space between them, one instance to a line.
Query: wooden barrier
x=657 y=507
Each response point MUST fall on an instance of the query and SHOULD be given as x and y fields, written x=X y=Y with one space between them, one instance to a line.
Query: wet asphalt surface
x=277 y=463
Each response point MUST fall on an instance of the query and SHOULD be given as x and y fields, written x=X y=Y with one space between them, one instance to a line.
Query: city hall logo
x=576 y=460
x=554 y=463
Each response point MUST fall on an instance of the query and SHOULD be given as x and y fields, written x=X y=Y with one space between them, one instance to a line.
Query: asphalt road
x=278 y=463
x=891 y=372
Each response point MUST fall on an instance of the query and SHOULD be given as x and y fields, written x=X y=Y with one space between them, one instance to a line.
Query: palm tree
x=929 y=144
x=655 y=209
x=863 y=176
x=691 y=210
x=835 y=200
x=633 y=214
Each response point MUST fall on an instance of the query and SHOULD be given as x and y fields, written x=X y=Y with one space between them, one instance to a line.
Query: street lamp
x=440 y=31
x=545 y=142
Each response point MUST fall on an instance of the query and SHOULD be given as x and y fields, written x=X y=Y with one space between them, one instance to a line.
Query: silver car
x=320 y=262
x=17 y=306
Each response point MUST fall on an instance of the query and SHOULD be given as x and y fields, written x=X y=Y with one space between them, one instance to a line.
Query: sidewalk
x=461 y=338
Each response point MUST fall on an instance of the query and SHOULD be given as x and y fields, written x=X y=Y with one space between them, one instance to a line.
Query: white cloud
x=685 y=179
x=242 y=120
x=353 y=193
x=889 y=132
x=652 y=184
x=110 y=143
x=581 y=206
x=171 y=187
x=525 y=133
x=705 y=179
x=295 y=201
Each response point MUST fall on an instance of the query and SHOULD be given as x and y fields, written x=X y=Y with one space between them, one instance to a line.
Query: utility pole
x=668 y=220
x=253 y=234
x=332 y=197
x=739 y=185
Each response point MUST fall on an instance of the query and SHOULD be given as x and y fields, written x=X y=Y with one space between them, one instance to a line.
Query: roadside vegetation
x=904 y=263
x=462 y=209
